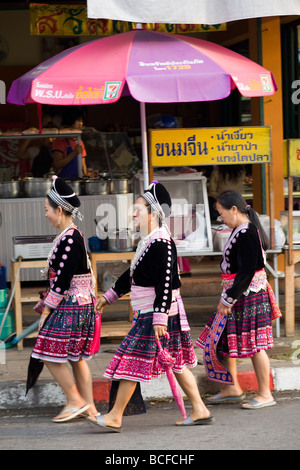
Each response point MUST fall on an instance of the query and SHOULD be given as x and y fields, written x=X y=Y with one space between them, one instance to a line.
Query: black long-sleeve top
x=68 y=259
x=157 y=267
x=243 y=257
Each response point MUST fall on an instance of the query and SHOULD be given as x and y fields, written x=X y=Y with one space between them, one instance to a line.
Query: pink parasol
x=152 y=67
x=167 y=362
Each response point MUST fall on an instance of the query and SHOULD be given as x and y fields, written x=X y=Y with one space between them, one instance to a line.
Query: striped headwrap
x=60 y=200
x=159 y=199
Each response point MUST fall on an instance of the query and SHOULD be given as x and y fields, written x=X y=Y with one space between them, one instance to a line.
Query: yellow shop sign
x=291 y=157
x=210 y=146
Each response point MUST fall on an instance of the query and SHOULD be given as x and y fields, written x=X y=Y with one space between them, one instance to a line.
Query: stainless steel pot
x=9 y=189
x=6 y=172
x=121 y=240
x=120 y=186
x=37 y=187
x=75 y=185
x=96 y=186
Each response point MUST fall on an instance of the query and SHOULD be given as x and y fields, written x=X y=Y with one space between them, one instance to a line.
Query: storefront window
x=290 y=35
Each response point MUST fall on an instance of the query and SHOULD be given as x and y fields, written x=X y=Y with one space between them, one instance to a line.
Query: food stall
x=106 y=198
x=106 y=201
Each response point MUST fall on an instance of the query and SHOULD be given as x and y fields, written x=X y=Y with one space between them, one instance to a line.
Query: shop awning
x=189 y=11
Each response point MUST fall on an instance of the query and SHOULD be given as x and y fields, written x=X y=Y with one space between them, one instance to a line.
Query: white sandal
x=74 y=413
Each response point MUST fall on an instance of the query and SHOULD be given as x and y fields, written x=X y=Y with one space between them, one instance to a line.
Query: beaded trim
x=258 y=282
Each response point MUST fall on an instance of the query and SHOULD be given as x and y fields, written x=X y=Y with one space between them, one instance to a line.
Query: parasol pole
x=79 y=159
x=144 y=137
x=144 y=144
x=40 y=116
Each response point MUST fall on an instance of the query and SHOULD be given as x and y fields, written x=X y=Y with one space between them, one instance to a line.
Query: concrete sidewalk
x=284 y=358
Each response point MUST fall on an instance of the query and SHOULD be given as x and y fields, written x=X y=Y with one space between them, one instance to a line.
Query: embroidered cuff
x=160 y=318
x=110 y=296
x=53 y=299
x=228 y=301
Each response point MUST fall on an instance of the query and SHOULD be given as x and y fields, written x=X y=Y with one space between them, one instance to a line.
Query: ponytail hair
x=229 y=198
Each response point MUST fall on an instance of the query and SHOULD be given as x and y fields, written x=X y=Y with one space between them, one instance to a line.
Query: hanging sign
x=291 y=157
x=72 y=20
x=210 y=146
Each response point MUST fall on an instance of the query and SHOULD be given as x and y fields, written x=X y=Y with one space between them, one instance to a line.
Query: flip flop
x=74 y=412
x=100 y=421
x=256 y=405
x=218 y=399
x=197 y=422
x=86 y=416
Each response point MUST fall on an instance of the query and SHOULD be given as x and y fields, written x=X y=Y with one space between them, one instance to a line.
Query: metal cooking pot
x=9 y=189
x=96 y=186
x=105 y=175
x=120 y=186
x=37 y=187
x=121 y=240
x=75 y=185
x=6 y=172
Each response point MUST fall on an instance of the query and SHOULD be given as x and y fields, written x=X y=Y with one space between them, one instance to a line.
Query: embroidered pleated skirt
x=136 y=358
x=248 y=329
x=67 y=333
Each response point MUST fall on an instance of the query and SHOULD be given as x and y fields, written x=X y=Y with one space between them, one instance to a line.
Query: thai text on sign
x=210 y=146
x=291 y=157
x=72 y=20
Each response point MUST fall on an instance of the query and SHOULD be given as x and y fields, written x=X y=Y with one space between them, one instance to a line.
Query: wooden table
x=109 y=329
x=119 y=329
x=108 y=256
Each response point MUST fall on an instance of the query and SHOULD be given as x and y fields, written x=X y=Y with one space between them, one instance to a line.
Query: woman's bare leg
x=234 y=390
x=83 y=379
x=124 y=393
x=63 y=376
x=261 y=365
x=188 y=384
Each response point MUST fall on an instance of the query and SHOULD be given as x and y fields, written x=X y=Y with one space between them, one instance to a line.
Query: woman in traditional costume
x=68 y=329
x=154 y=284
x=242 y=324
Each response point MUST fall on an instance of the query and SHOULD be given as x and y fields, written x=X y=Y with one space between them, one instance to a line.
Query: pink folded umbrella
x=167 y=362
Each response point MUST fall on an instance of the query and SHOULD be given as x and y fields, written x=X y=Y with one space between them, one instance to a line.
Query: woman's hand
x=43 y=318
x=101 y=302
x=223 y=309
x=159 y=330
x=78 y=149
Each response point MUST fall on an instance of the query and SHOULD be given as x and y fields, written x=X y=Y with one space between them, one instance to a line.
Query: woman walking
x=68 y=329
x=154 y=284
x=242 y=325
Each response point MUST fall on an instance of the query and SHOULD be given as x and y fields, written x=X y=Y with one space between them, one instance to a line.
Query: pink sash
x=142 y=298
x=228 y=280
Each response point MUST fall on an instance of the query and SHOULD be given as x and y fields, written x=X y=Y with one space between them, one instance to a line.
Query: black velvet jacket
x=157 y=267
x=68 y=259
x=243 y=257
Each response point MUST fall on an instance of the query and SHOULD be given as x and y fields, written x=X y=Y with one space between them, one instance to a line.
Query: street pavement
x=284 y=358
x=274 y=428
x=25 y=422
